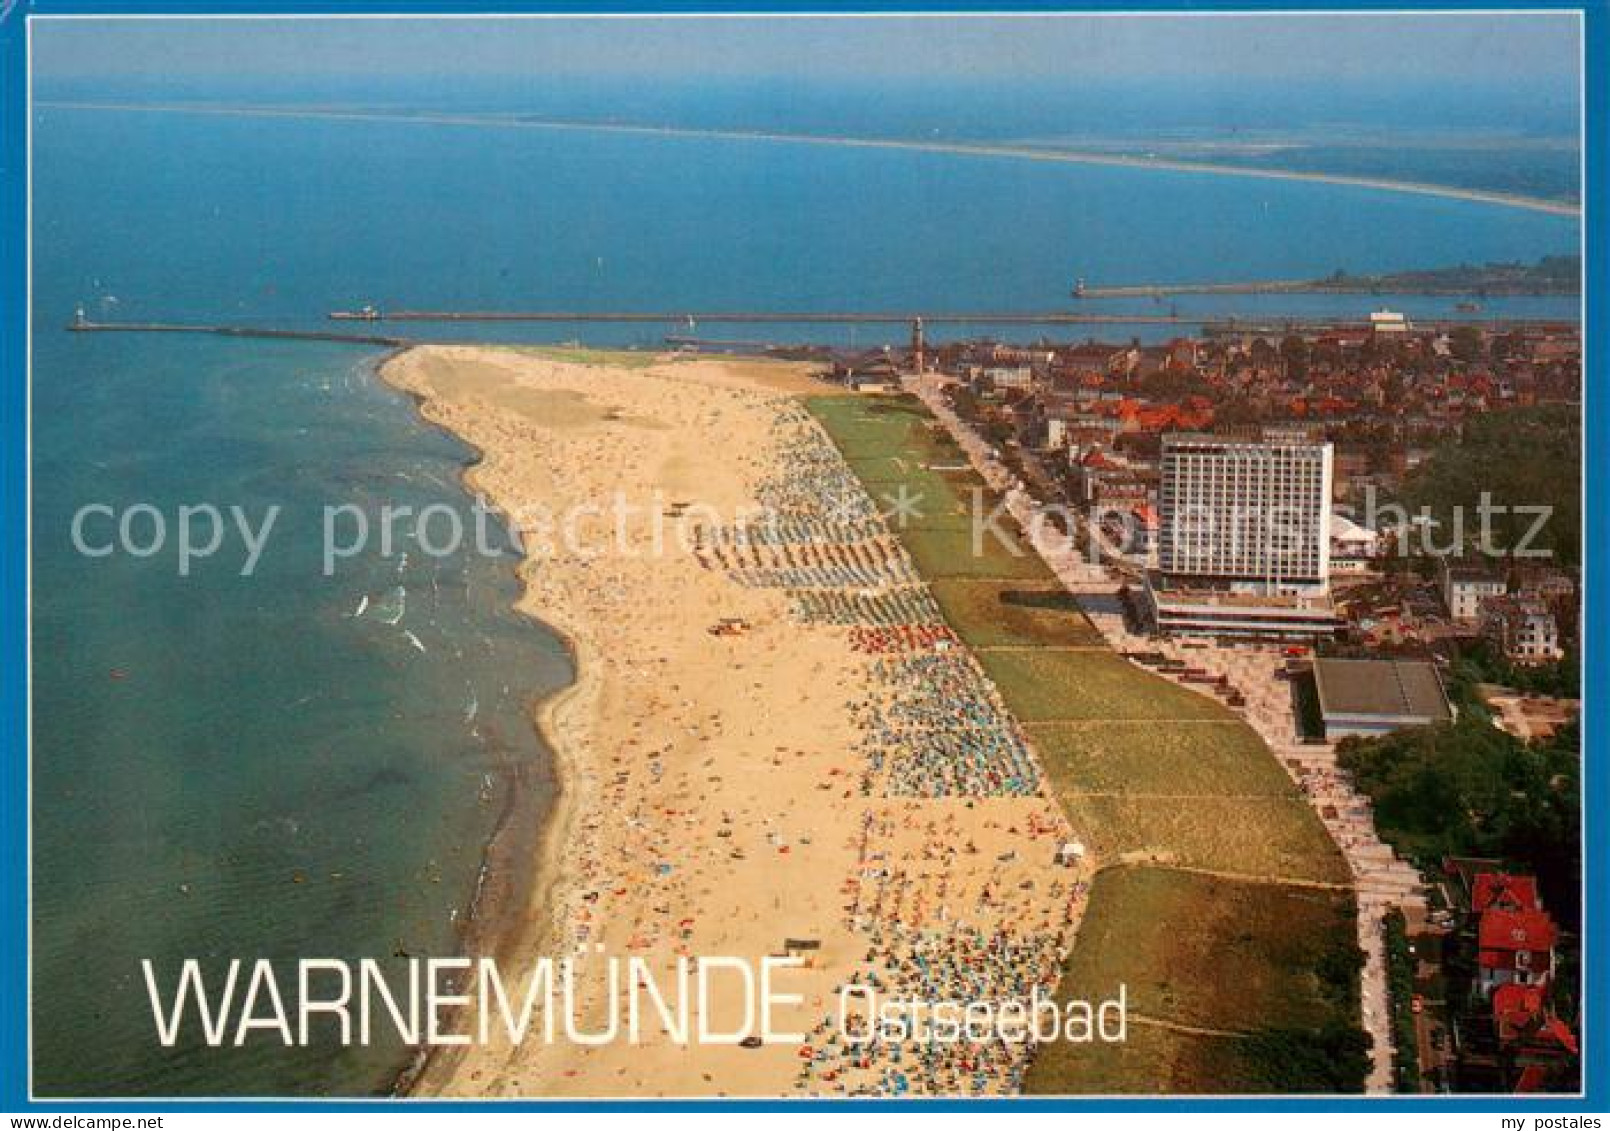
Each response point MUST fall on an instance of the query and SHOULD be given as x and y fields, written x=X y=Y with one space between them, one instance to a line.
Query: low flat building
x=1389 y=322
x=1178 y=609
x=1375 y=697
x=1007 y=377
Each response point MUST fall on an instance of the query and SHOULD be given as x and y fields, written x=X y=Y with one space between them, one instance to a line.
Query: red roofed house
x=1500 y=889
x=1535 y=1040
x=1525 y=1020
x=1514 y=1041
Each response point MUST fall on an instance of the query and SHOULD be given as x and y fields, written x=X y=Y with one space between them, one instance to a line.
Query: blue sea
x=299 y=765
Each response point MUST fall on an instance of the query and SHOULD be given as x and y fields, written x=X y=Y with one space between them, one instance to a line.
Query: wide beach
x=810 y=772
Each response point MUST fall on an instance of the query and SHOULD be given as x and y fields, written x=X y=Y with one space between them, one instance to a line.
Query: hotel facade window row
x=1251 y=512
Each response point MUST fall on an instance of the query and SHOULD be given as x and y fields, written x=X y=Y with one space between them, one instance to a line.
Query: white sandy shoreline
x=509 y=930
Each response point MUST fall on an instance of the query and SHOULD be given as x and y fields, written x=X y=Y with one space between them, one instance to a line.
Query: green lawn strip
x=1252 y=958
x=1167 y=1062
x=944 y=553
x=996 y=614
x=1272 y=837
x=621 y=359
x=1150 y=1061
x=892 y=446
x=1042 y=686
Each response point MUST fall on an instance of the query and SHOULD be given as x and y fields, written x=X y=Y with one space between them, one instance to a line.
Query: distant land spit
x=963 y=149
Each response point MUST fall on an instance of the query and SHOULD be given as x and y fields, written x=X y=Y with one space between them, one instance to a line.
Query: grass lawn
x=892 y=443
x=1091 y=685
x=942 y=553
x=1167 y=1062
x=1208 y=953
x=1225 y=759
x=1150 y=1061
x=992 y=614
x=576 y=355
x=1276 y=837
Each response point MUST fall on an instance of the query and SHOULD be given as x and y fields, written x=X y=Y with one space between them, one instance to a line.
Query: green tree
x=1464 y=342
x=1294 y=352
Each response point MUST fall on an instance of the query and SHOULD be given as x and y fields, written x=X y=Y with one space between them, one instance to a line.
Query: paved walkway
x=1382 y=880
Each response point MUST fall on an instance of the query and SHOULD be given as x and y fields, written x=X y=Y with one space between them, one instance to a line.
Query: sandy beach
x=811 y=771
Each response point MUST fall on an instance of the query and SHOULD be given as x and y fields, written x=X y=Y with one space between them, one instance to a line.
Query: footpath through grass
x=1257 y=964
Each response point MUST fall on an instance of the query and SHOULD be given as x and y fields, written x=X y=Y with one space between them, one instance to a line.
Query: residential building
x=1353 y=547
x=1524 y=627
x=1464 y=588
x=1007 y=377
x=1514 y=948
x=1535 y=1039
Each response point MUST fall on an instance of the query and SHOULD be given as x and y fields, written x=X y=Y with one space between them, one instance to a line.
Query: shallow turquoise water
x=229 y=766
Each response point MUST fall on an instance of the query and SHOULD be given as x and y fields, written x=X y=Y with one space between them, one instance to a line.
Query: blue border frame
x=14 y=704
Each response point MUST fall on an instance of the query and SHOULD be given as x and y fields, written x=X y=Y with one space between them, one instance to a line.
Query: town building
x=1535 y=1040
x=1524 y=628
x=1505 y=891
x=1465 y=586
x=1507 y=1034
x=1005 y=377
x=1353 y=547
x=1176 y=610
x=1368 y=697
x=1243 y=537
x=1389 y=322
x=1514 y=948
x=1252 y=516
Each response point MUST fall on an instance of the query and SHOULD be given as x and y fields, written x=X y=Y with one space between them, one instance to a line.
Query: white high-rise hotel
x=1244 y=546
x=1252 y=515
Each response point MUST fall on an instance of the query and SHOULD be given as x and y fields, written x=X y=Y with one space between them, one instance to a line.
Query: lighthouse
x=916 y=346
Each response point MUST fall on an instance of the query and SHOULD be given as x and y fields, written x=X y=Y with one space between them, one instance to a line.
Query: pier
x=733 y=317
x=1211 y=324
x=1266 y=325
x=1164 y=290
x=82 y=326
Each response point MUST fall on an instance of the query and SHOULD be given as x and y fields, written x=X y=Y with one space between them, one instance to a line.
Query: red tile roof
x=1521 y=1013
x=1502 y=933
x=1500 y=889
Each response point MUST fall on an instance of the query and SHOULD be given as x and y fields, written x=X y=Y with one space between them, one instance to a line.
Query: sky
x=1506 y=50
